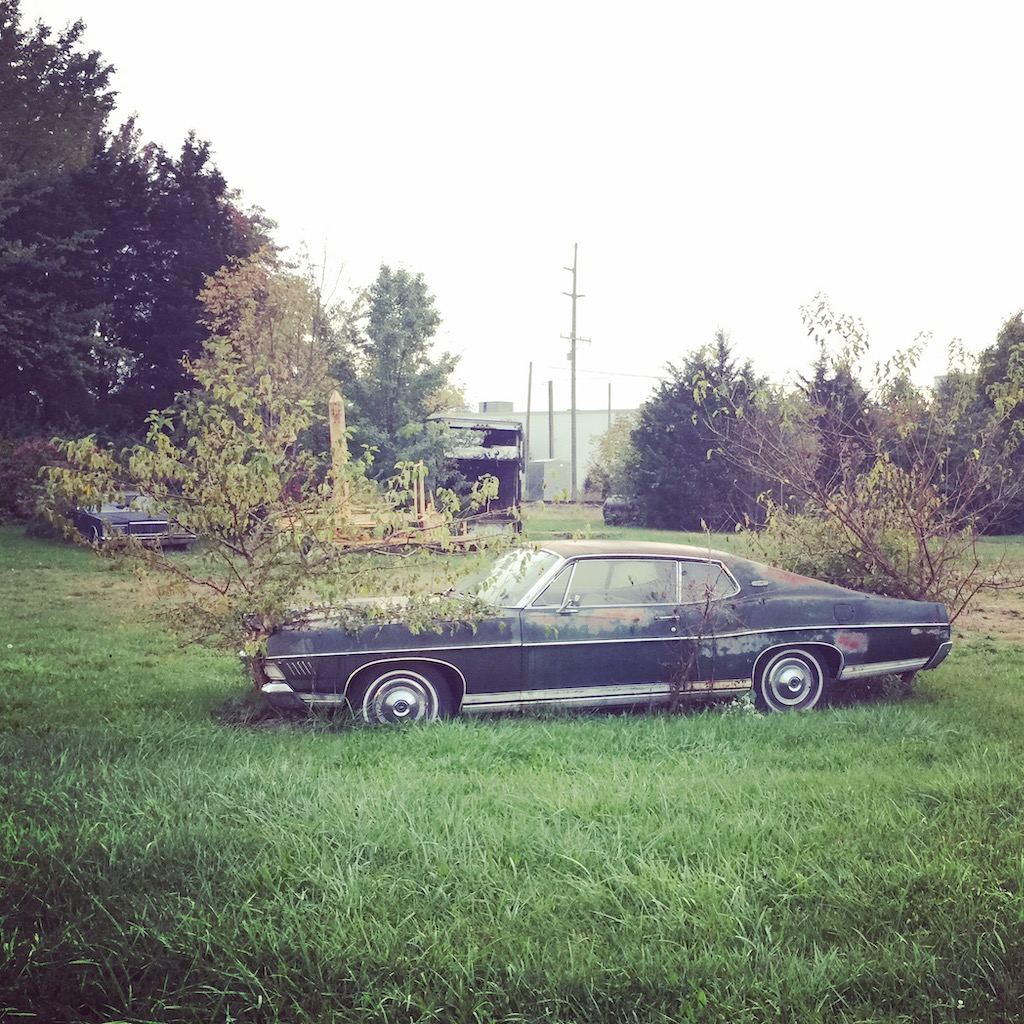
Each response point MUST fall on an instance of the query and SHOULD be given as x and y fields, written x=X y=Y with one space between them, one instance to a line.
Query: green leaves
x=105 y=241
x=398 y=382
x=280 y=533
x=671 y=475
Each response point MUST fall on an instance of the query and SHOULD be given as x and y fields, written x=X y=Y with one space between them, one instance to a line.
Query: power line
x=607 y=373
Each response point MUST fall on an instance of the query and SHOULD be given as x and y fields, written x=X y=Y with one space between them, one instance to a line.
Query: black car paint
x=572 y=655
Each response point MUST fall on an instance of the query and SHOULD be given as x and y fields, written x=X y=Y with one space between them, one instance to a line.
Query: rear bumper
x=940 y=655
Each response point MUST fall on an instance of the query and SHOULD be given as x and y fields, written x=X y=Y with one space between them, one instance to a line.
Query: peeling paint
x=851 y=643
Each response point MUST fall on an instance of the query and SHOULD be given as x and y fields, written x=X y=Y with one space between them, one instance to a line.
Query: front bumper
x=281 y=697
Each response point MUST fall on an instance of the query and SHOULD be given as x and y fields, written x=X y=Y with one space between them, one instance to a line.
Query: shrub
x=886 y=532
x=21 y=460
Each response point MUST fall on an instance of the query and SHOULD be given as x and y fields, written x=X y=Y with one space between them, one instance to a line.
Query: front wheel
x=397 y=695
x=790 y=680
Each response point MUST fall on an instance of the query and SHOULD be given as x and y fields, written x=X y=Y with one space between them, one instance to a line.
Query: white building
x=548 y=441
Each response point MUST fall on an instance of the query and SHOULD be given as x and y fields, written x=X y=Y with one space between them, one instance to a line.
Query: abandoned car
x=133 y=518
x=601 y=623
x=619 y=510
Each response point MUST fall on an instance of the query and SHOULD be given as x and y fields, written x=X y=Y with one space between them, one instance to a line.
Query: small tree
x=608 y=472
x=21 y=460
x=228 y=463
x=894 y=504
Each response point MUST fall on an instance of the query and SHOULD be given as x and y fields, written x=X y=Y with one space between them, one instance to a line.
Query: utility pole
x=572 y=339
x=551 y=419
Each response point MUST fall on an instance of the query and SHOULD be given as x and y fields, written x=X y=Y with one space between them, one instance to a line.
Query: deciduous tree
x=398 y=381
x=54 y=98
x=608 y=472
x=54 y=101
x=904 y=494
x=228 y=462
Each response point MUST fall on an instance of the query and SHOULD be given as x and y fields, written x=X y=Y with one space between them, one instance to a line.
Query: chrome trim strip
x=300 y=667
x=881 y=668
x=409 y=655
x=508 y=698
x=740 y=634
x=582 y=695
x=309 y=699
x=391 y=654
x=419 y=659
x=322 y=700
x=496 y=705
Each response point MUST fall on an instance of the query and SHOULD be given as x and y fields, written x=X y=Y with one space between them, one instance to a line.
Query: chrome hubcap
x=793 y=682
x=400 y=697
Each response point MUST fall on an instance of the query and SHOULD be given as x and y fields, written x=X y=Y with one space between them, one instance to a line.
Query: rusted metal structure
x=489 y=446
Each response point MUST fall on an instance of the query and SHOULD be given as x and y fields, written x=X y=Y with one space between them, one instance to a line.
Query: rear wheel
x=400 y=694
x=791 y=680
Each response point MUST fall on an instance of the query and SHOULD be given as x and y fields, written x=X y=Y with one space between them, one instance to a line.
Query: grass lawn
x=159 y=863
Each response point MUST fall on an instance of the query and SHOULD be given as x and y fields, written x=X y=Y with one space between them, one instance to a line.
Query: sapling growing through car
x=281 y=530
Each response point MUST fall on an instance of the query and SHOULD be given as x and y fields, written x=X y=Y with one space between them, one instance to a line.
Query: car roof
x=744 y=570
x=649 y=548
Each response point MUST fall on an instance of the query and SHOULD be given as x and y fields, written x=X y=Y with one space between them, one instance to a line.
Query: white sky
x=718 y=164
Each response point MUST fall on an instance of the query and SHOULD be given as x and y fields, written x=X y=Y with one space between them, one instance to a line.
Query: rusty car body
x=600 y=623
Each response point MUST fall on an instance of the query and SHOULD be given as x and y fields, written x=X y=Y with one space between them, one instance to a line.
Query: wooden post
x=339 y=445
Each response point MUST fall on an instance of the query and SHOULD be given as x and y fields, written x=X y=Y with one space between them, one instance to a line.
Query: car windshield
x=132 y=502
x=508 y=580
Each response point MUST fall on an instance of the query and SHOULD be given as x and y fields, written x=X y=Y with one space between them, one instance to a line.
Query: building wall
x=590 y=425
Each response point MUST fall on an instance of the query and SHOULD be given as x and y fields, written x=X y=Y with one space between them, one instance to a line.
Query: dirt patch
x=998 y=614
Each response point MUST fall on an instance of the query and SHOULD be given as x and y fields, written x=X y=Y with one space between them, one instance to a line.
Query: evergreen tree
x=844 y=419
x=996 y=365
x=680 y=479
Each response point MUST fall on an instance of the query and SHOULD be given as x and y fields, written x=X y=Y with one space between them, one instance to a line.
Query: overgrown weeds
x=856 y=864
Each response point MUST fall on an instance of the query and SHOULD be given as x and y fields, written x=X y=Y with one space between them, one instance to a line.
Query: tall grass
x=864 y=863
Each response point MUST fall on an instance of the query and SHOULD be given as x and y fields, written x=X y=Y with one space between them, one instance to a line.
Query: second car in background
x=135 y=518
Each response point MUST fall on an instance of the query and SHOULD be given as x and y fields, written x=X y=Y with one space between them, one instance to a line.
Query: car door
x=605 y=631
x=716 y=651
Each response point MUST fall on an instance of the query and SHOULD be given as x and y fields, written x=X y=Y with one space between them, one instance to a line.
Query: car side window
x=706 y=581
x=553 y=595
x=600 y=582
